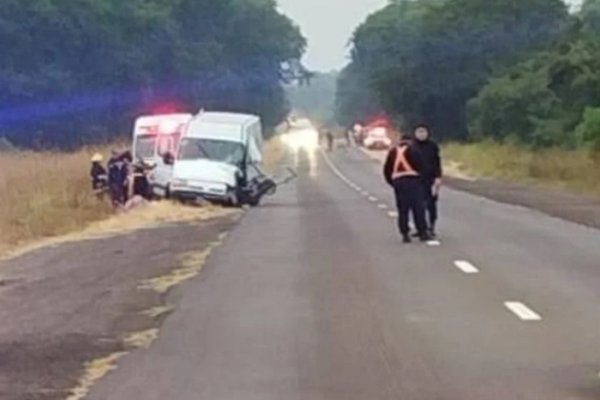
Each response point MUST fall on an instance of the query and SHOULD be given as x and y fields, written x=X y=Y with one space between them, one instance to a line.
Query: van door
x=164 y=172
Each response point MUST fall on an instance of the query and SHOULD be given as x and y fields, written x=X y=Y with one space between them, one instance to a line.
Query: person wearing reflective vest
x=402 y=171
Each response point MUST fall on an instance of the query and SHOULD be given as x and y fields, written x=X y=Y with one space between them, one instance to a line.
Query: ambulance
x=155 y=142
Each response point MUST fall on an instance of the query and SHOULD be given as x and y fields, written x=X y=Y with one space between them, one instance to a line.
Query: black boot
x=406 y=239
x=425 y=237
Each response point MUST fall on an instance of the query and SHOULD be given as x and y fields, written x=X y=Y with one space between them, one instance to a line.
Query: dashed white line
x=466 y=267
x=382 y=206
x=434 y=243
x=393 y=214
x=522 y=311
x=373 y=199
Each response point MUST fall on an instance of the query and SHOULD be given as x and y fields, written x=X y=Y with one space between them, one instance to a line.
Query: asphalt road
x=312 y=296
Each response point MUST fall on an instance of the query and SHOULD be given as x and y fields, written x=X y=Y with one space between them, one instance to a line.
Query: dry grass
x=47 y=199
x=574 y=169
x=45 y=194
x=149 y=216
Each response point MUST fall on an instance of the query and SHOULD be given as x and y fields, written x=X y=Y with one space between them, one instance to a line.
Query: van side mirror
x=168 y=158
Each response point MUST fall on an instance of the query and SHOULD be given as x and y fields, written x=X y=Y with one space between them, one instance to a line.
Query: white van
x=219 y=154
x=155 y=139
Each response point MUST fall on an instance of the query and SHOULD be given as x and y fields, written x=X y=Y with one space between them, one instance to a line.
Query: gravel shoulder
x=70 y=311
x=560 y=203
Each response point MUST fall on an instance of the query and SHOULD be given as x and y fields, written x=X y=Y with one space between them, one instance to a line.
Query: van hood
x=205 y=171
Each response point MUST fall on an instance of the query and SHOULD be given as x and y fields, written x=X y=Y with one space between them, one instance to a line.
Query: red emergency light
x=380 y=122
x=164 y=127
x=167 y=108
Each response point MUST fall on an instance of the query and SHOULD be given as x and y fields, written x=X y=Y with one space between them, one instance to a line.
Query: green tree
x=541 y=101
x=78 y=70
x=426 y=59
x=588 y=131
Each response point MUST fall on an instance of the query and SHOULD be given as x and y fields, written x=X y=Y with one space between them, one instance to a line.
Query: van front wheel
x=233 y=198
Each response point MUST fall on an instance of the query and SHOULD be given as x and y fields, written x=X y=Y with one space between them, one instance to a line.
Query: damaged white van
x=219 y=159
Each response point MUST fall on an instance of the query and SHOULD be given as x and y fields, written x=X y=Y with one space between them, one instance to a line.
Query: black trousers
x=118 y=193
x=410 y=199
x=431 y=203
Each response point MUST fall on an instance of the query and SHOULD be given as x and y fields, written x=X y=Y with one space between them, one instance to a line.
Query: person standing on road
x=402 y=171
x=432 y=174
x=329 y=137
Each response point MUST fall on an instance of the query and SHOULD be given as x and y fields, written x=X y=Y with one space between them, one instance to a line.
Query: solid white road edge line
x=335 y=170
x=522 y=311
x=466 y=267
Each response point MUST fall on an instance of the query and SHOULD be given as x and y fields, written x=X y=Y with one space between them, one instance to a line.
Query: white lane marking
x=393 y=214
x=434 y=243
x=383 y=206
x=365 y=193
x=333 y=167
x=373 y=199
x=466 y=267
x=522 y=311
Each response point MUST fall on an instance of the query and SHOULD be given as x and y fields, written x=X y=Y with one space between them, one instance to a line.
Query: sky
x=328 y=25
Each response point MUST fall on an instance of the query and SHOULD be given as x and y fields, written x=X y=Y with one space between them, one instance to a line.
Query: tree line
x=526 y=71
x=74 y=72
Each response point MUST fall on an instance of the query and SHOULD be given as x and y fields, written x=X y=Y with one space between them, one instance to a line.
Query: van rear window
x=145 y=146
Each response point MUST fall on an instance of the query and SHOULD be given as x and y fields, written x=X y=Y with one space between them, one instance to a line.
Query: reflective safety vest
x=402 y=167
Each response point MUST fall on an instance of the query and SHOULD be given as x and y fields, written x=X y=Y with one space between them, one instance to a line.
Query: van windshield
x=144 y=146
x=209 y=149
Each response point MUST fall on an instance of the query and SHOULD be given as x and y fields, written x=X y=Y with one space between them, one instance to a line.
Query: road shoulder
x=72 y=311
x=559 y=203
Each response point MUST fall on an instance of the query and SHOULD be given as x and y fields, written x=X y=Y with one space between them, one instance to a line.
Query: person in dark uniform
x=117 y=179
x=141 y=184
x=127 y=159
x=329 y=137
x=402 y=171
x=432 y=173
x=98 y=175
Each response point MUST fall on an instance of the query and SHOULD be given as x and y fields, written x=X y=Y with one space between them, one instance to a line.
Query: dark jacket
x=413 y=157
x=99 y=177
x=430 y=154
x=117 y=171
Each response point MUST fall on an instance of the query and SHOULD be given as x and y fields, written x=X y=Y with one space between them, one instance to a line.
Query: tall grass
x=45 y=194
x=573 y=169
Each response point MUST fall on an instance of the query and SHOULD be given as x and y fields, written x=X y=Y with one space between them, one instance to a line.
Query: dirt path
x=71 y=304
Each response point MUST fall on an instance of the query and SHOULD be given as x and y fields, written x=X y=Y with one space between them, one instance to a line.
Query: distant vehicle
x=377 y=138
x=219 y=159
x=155 y=141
